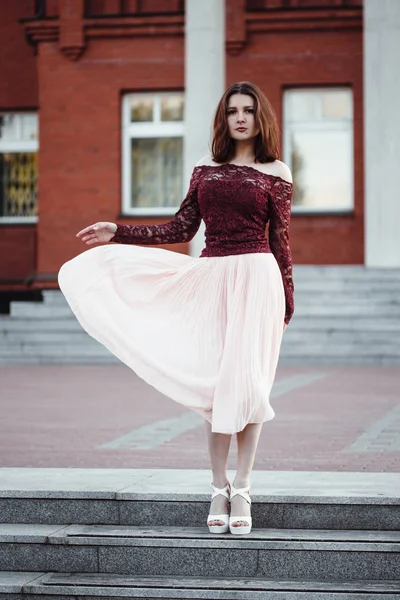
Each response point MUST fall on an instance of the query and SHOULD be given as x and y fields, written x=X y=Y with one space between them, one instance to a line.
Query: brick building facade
x=73 y=63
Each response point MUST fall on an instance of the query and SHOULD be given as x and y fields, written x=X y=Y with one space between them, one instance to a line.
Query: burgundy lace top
x=235 y=202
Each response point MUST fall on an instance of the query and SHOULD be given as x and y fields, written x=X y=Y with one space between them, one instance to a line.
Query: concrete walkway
x=327 y=419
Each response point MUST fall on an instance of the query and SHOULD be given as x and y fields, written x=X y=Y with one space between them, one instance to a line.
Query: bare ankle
x=240 y=483
x=220 y=481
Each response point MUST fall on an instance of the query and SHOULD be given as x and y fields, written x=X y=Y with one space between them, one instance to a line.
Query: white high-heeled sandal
x=224 y=518
x=240 y=529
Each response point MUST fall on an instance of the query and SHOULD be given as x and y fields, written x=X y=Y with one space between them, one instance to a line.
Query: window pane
x=156 y=172
x=336 y=104
x=29 y=127
x=8 y=128
x=16 y=127
x=172 y=108
x=18 y=180
x=142 y=109
x=321 y=164
x=319 y=133
x=303 y=105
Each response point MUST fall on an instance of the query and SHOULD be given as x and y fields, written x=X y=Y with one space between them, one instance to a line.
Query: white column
x=382 y=132
x=204 y=83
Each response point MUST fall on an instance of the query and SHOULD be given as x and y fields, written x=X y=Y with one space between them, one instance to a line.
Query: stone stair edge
x=194 y=484
x=122 y=496
x=113 y=585
x=189 y=536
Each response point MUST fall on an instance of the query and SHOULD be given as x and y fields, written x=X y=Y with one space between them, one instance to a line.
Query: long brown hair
x=266 y=141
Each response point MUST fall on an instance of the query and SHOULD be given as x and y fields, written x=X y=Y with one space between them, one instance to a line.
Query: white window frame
x=152 y=129
x=19 y=145
x=319 y=125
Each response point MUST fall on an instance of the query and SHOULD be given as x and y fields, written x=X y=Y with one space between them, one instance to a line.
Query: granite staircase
x=132 y=534
x=344 y=315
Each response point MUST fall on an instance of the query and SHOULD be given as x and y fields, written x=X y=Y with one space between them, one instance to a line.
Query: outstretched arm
x=280 y=210
x=182 y=228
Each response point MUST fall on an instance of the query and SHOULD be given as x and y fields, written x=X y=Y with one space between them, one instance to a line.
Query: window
x=318 y=147
x=18 y=167
x=152 y=141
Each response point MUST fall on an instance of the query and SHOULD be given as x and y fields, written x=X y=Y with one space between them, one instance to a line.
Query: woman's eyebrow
x=249 y=106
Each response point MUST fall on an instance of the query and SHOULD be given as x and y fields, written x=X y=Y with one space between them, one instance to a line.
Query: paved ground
x=327 y=419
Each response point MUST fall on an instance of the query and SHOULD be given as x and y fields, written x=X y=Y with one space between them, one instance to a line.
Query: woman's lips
x=241 y=129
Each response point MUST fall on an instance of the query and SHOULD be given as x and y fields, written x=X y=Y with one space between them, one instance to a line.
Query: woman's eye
x=248 y=110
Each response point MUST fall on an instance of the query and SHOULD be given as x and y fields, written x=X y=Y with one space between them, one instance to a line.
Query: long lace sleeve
x=182 y=228
x=280 y=210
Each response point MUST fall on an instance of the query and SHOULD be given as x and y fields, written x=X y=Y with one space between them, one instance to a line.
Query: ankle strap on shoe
x=243 y=492
x=221 y=491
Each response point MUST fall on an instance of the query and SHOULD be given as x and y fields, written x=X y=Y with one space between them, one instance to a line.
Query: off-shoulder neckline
x=245 y=167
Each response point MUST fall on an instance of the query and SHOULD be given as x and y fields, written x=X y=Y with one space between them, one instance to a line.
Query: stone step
x=299 y=323
x=389 y=336
x=194 y=552
x=89 y=586
x=343 y=350
x=350 y=276
x=80 y=349
x=310 y=307
x=362 y=289
x=18 y=359
x=340 y=346
x=28 y=324
x=289 y=357
x=326 y=359
x=315 y=293
x=40 y=310
x=343 y=310
x=341 y=272
x=281 y=500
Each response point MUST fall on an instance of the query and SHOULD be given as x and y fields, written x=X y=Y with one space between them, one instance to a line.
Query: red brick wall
x=312 y=58
x=18 y=91
x=17 y=254
x=80 y=108
x=80 y=133
x=18 y=79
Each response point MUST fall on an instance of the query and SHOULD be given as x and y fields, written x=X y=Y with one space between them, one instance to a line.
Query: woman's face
x=241 y=122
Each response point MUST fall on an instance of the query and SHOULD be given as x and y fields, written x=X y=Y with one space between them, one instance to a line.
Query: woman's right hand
x=98 y=233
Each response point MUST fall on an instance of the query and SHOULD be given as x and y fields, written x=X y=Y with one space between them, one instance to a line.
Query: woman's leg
x=218 y=447
x=247 y=441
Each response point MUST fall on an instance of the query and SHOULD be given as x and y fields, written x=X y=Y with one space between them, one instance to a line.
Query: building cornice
x=72 y=30
x=242 y=23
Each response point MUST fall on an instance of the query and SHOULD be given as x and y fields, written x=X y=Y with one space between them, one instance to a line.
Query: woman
x=204 y=331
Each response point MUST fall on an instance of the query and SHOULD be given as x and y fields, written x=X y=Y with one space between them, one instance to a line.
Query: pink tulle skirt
x=204 y=331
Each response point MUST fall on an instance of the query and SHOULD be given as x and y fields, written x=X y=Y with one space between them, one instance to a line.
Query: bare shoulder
x=278 y=169
x=206 y=161
x=283 y=171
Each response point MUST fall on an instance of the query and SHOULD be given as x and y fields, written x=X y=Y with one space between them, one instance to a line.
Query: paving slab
x=327 y=418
